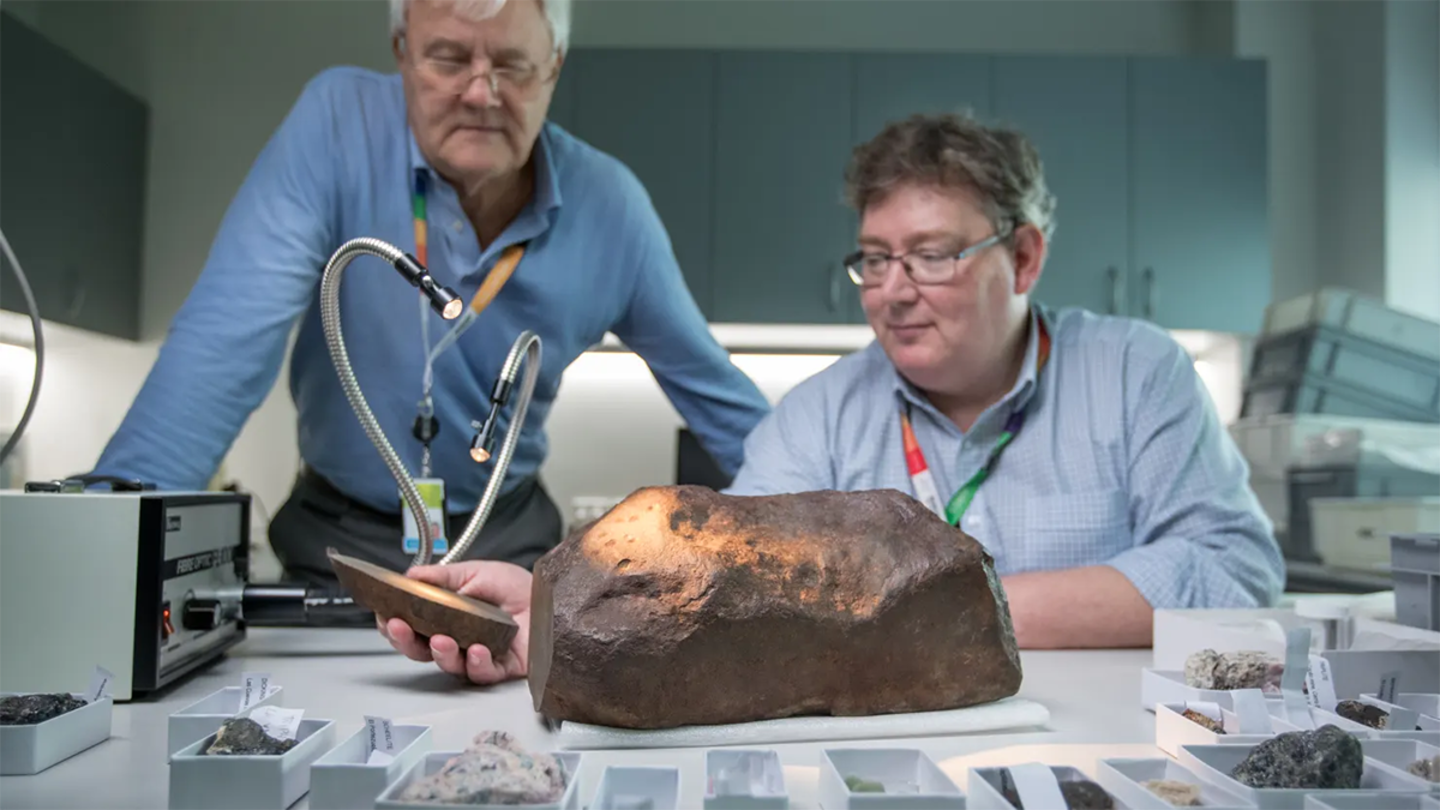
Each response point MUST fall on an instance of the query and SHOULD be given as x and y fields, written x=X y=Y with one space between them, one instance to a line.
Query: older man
x=1083 y=451
x=455 y=145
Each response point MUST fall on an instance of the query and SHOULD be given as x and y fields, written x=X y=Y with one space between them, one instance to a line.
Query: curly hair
x=999 y=166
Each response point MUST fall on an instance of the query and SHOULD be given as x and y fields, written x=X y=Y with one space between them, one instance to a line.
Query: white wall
x=1284 y=35
x=1412 y=156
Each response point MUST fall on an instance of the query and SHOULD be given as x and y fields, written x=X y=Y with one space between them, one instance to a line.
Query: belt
x=322 y=486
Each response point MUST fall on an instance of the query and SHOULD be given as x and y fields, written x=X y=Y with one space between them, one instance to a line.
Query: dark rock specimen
x=1204 y=720
x=242 y=736
x=1247 y=669
x=682 y=606
x=1078 y=795
x=29 y=710
x=1363 y=713
x=495 y=769
x=431 y=611
x=1326 y=758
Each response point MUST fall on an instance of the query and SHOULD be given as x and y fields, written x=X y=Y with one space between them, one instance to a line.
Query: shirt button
x=457 y=226
x=973 y=521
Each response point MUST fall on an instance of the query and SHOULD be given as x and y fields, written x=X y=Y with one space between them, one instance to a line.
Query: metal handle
x=1149 y=276
x=1117 y=291
x=834 y=288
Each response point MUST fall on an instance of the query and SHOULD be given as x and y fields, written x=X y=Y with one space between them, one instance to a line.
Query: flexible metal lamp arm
x=443 y=300
x=449 y=305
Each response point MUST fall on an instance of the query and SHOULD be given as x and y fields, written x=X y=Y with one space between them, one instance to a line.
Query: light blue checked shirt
x=1122 y=462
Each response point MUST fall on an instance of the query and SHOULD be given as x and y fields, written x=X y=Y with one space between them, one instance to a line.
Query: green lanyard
x=924 y=481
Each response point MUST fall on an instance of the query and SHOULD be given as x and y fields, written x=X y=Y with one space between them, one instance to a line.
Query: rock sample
x=682 y=606
x=242 y=736
x=1247 y=669
x=431 y=611
x=1363 y=713
x=1078 y=795
x=1205 y=720
x=1179 y=794
x=1326 y=758
x=858 y=785
x=29 y=710
x=1427 y=769
x=495 y=769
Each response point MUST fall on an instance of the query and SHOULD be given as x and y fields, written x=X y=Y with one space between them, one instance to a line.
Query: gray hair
x=557 y=15
x=1000 y=166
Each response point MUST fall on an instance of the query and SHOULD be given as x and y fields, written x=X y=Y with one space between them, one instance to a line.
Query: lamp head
x=482 y=447
x=442 y=299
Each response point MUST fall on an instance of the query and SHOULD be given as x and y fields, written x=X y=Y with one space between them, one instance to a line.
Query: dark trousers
x=523 y=525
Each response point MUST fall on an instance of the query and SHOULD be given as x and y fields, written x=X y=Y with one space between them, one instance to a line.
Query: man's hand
x=502 y=584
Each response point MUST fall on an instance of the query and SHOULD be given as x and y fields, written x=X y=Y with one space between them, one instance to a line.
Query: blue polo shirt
x=341 y=166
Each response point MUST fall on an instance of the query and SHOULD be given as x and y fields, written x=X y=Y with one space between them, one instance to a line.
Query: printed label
x=382 y=734
x=278 y=722
x=1036 y=784
x=1387 y=686
x=99 y=685
x=379 y=758
x=1292 y=682
x=1251 y=712
x=255 y=688
x=432 y=494
x=1319 y=686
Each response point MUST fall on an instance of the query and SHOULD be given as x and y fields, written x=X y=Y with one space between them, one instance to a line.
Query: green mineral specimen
x=858 y=785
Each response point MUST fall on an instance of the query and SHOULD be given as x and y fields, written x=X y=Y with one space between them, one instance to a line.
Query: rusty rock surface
x=683 y=606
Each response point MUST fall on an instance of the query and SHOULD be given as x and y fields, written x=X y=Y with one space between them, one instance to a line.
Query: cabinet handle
x=834 y=288
x=1117 y=291
x=1149 y=276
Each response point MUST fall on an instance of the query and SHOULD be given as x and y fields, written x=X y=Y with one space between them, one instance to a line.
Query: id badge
x=432 y=494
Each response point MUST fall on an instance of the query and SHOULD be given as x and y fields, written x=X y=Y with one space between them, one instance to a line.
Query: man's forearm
x=1095 y=606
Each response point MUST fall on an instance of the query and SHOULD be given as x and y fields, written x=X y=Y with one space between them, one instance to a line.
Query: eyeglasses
x=456 y=75
x=923 y=267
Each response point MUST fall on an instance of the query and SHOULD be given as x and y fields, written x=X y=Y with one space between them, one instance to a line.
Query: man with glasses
x=1083 y=451
x=452 y=160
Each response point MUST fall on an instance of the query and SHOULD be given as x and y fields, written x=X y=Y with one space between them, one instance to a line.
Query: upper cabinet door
x=655 y=112
x=1198 y=174
x=72 y=203
x=893 y=87
x=566 y=95
x=783 y=133
x=1074 y=110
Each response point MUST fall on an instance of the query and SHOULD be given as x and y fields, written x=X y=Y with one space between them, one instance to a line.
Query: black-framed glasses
x=869 y=268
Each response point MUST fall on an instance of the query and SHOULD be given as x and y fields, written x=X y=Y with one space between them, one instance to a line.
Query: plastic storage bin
x=434 y=761
x=1356 y=315
x=1408 y=381
x=27 y=750
x=764 y=764
x=1415 y=569
x=1355 y=532
x=200 y=782
x=986 y=786
x=910 y=777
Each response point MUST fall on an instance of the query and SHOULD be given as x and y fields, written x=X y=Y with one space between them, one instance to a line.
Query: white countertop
x=1093 y=698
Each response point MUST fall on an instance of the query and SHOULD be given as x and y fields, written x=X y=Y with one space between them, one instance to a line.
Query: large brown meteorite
x=682 y=606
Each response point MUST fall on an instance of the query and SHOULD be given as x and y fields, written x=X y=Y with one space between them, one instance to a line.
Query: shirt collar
x=547 y=179
x=1019 y=395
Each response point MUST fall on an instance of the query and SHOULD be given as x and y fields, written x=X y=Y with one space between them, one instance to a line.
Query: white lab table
x=1093 y=698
